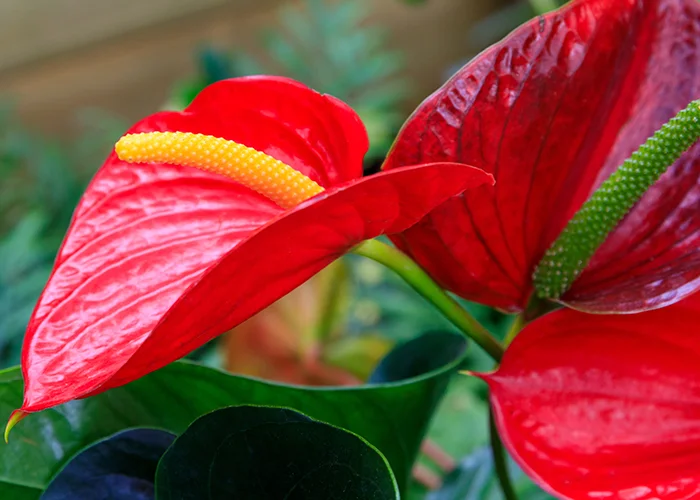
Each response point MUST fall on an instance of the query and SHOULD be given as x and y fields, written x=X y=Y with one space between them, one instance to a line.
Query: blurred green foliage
x=504 y=20
x=25 y=264
x=41 y=182
x=330 y=47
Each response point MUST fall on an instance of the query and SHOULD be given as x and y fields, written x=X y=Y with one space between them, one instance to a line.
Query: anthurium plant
x=555 y=177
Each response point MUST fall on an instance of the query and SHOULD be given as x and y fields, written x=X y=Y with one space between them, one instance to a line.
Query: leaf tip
x=15 y=418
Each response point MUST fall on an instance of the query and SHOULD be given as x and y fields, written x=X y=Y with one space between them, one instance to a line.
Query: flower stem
x=514 y=329
x=419 y=280
x=497 y=449
x=330 y=300
x=500 y=460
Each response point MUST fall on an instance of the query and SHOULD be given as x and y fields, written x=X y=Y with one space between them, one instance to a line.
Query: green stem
x=500 y=460
x=514 y=329
x=419 y=280
x=499 y=454
x=331 y=300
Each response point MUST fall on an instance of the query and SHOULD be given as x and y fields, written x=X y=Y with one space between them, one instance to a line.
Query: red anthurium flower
x=551 y=111
x=162 y=257
x=605 y=406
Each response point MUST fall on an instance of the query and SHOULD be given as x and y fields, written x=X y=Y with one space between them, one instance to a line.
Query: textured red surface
x=605 y=406
x=551 y=111
x=160 y=259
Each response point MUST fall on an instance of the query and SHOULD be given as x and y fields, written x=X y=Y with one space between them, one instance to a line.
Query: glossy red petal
x=142 y=234
x=605 y=407
x=316 y=134
x=549 y=111
x=150 y=292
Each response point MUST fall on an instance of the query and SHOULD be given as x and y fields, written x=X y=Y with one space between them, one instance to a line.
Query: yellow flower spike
x=256 y=170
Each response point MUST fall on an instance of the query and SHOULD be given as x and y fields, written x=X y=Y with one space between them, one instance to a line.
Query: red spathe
x=605 y=406
x=551 y=111
x=160 y=259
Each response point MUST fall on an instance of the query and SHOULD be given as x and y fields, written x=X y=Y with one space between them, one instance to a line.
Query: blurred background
x=74 y=74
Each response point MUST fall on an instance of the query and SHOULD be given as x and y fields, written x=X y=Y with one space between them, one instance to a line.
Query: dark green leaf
x=266 y=453
x=420 y=355
x=20 y=492
x=122 y=467
x=393 y=417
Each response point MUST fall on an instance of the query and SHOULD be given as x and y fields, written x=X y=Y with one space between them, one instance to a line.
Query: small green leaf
x=269 y=453
x=416 y=356
x=392 y=416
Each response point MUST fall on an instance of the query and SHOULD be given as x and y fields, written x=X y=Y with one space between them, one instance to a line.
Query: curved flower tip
x=551 y=111
x=192 y=237
x=596 y=406
x=14 y=419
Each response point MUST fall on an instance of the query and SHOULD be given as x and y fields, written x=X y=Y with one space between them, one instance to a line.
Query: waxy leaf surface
x=551 y=111
x=269 y=453
x=392 y=415
x=160 y=259
x=605 y=406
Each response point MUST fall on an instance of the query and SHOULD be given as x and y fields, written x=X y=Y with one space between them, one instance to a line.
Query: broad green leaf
x=392 y=416
x=263 y=452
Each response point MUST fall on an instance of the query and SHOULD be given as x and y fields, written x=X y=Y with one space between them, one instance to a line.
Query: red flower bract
x=551 y=111
x=605 y=406
x=160 y=259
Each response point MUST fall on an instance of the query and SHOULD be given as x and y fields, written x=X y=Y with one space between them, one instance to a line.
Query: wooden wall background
x=57 y=56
